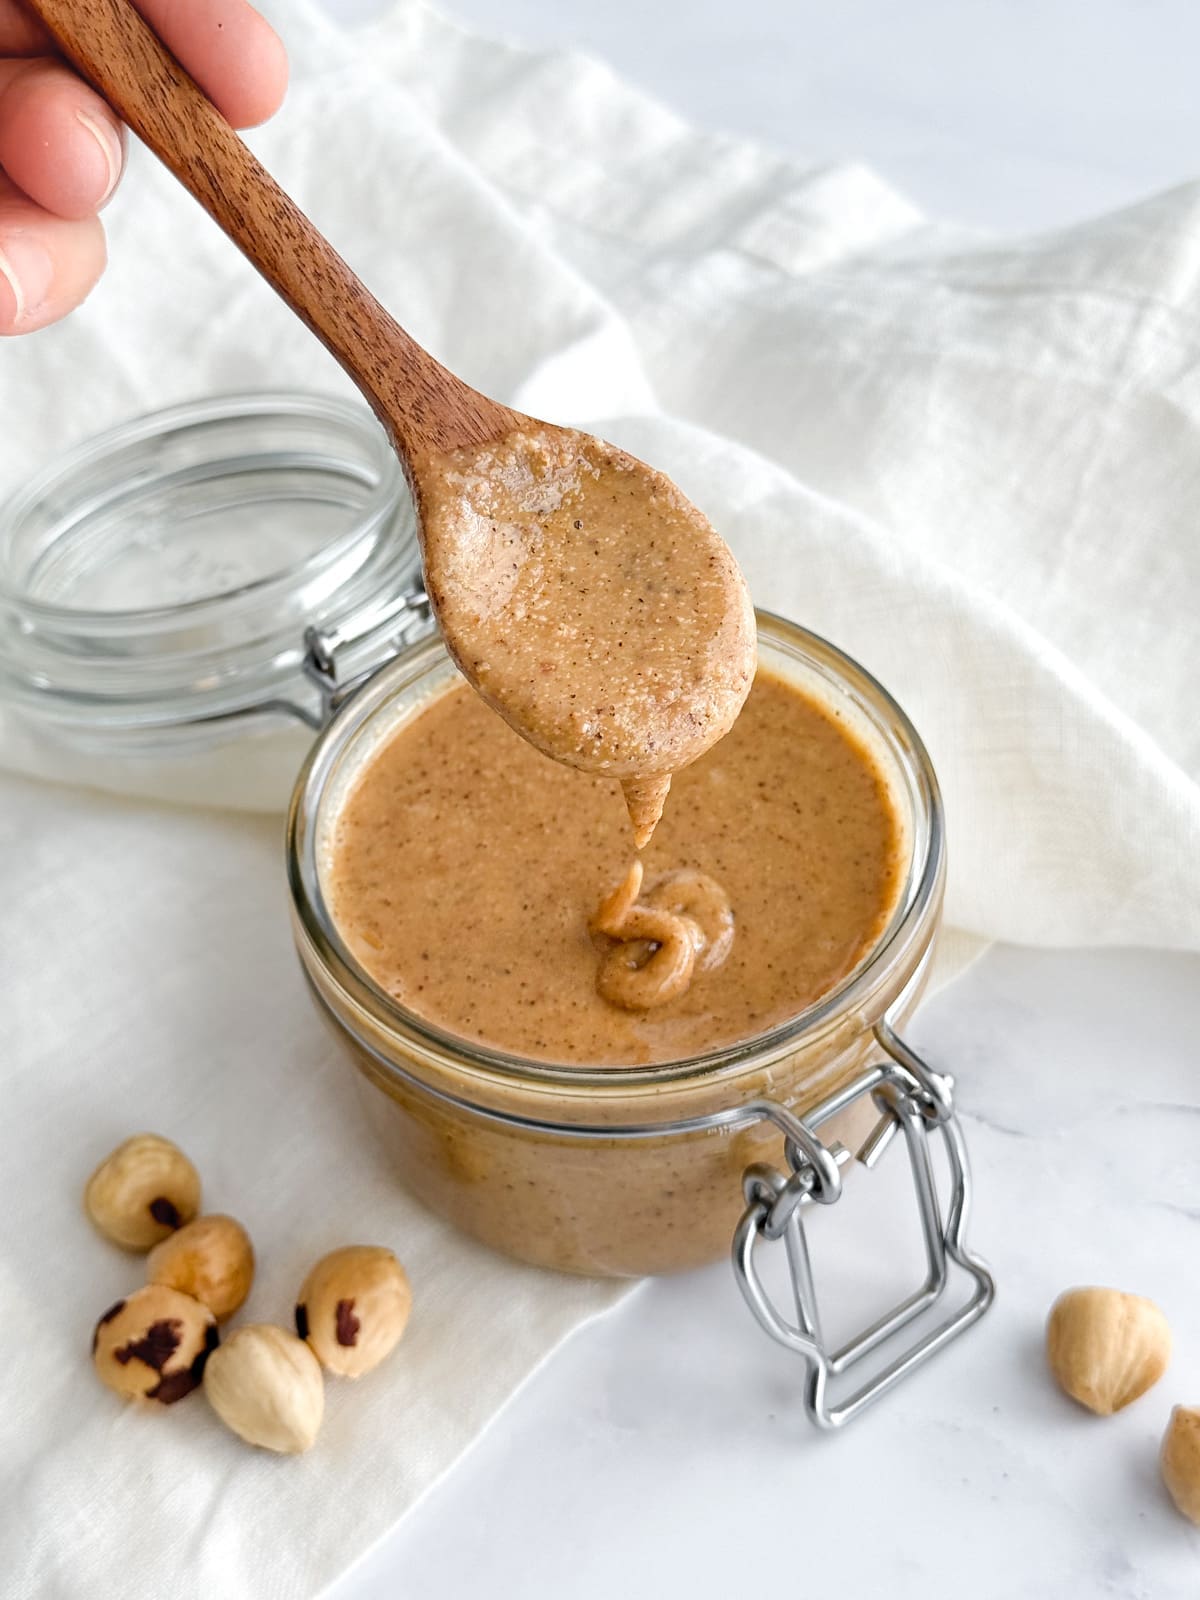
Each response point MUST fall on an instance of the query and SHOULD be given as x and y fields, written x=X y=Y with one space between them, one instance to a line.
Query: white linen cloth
x=974 y=465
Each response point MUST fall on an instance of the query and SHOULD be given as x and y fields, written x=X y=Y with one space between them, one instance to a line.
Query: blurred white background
x=1004 y=114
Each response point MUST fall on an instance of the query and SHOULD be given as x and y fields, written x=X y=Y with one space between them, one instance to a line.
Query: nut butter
x=548 y=1122
x=590 y=604
x=463 y=868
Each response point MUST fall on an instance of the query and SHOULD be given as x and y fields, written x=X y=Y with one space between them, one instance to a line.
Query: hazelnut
x=266 y=1385
x=153 y=1345
x=1106 y=1348
x=211 y=1259
x=1180 y=1460
x=353 y=1307
x=144 y=1190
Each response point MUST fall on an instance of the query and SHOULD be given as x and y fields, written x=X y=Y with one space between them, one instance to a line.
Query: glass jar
x=188 y=598
x=627 y=1171
x=161 y=584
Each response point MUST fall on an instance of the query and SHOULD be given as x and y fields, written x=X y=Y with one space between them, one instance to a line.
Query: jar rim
x=900 y=946
x=177 y=419
x=159 y=508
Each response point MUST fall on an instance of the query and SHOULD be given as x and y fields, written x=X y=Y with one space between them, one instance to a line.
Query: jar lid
x=165 y=574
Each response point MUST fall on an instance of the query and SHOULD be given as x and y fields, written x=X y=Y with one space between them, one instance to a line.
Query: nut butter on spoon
x=577 y=589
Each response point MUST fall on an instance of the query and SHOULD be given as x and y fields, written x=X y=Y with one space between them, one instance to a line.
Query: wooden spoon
x=578 y=590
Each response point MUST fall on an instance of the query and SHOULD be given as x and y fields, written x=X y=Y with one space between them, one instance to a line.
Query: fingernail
x=107 y=138
x=27 y=268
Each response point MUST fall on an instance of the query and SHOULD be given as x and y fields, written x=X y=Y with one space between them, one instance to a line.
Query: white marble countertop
x=664 y=1450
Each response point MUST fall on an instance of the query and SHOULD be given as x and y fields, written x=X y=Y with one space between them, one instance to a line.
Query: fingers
x=48 y=264
x=20 y=32
x=234 y=54
x=61 y=148
x=59 y=142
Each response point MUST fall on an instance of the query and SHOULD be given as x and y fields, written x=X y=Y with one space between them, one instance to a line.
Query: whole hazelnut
x=211 y=1259
x=154 y=1345
x=1180 y=1460
x=353 y=1307
x=142 y=1192
x=266 y=1385
x=1106 y=1348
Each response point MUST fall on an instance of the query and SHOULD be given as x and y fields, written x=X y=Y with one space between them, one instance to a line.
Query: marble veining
x=664 y=1449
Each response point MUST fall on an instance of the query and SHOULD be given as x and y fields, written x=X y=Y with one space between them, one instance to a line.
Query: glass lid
x=169 y=568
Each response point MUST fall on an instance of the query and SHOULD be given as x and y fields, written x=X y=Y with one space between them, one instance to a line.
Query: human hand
x=62 y=147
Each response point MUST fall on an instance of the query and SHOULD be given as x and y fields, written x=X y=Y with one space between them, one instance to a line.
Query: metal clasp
x=393 y=622
x=913 y=1100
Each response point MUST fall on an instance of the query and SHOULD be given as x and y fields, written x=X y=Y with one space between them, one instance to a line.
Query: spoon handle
x=422 y=405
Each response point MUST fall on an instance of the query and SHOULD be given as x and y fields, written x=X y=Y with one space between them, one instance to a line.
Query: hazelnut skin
x=353 y=1307
x=154 y=1344
x=142 y=1192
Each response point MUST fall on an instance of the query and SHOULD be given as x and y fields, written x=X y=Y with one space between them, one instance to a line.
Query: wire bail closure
x=912 y=1100
x=391 y=626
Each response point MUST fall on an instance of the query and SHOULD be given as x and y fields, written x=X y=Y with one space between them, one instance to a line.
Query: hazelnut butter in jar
x=649 y=1162
x=443 y=873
